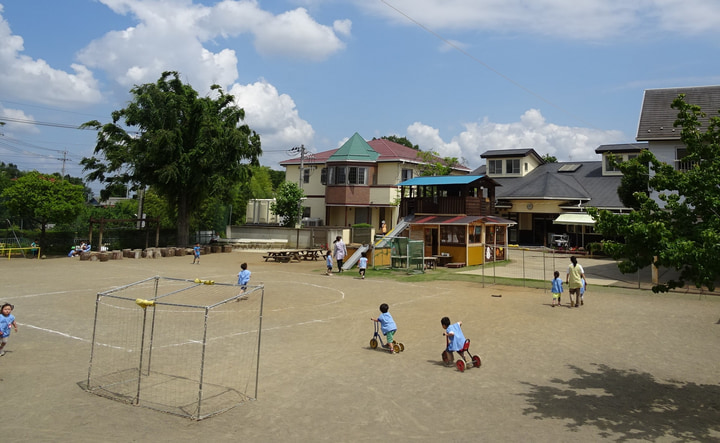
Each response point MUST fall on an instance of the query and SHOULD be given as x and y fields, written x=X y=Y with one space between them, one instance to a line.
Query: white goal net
x=185 y=347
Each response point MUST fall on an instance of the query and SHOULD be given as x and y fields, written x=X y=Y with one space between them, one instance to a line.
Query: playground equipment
x=447 y=357
x=377 y=340
x=177 y=345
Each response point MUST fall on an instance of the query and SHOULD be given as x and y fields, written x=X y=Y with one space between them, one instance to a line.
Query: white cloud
x=11 y=127
x=273 y=116
x=171 y=35
x=27 y=78
x=342 y=27
x=587 y=19
x=532 y=131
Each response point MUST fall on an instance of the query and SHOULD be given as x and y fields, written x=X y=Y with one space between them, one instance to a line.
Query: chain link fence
x=534 y=267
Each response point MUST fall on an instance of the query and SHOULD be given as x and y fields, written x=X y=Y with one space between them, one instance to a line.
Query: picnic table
x=310 y=253
x=430 y=262
x=443 y=260
x=283 y=256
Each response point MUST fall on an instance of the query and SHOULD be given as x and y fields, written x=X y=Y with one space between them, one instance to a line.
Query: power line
x=38 y=123
x=46 y=108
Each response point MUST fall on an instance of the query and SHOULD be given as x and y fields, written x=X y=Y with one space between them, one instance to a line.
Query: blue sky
x=459 y=77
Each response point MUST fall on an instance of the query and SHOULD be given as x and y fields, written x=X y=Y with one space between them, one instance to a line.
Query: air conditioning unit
x=308 y=222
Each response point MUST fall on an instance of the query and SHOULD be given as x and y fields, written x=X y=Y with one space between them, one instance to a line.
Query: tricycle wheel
x=396 y=348
x=460 y=365
x=373 y=343
x=402 y=347
x=476 y=361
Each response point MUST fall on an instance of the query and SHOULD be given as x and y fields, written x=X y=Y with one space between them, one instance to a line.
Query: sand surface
x=629 y=365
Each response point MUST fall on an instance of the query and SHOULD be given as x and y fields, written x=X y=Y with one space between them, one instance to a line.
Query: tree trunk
x=183 y=221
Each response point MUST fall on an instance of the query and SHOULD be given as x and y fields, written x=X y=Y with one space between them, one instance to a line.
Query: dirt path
x=629 y=365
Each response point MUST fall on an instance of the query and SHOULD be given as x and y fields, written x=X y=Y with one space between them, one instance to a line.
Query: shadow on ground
x=628 y=405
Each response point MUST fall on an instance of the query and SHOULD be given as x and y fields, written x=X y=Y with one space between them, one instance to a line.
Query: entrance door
x=431 y=241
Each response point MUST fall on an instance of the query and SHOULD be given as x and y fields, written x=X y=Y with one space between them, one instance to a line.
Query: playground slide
x=385 y=241
x=355 y=257
x=382 y=243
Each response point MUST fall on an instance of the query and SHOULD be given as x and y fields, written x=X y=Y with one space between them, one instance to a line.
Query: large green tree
x=287 y=203
x=187 y=148
x=432 y=164
x=44 y=199
x=681 y=228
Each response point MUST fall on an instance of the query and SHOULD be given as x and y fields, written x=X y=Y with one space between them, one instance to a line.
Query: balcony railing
x=446 y=205
x=684 y=166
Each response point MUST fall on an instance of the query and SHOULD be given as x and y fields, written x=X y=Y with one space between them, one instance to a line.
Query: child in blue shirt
x=582 y=290
x=243 y=279
x=329 y=263
x=387 y=325
x=455 y=337
x=196 y=253
x=362 y=264
x=557 y=288
x=7 y=320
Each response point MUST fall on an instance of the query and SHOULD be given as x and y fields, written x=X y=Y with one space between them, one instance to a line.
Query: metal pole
x=257 y=368
x=523 y=256
x=495 y=254
x=300 y=183
x=140 y=362
x=202 y=364
x=92 y=347
x=484 y=263
x=544 y=269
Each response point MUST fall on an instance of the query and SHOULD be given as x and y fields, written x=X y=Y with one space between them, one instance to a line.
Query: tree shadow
x=629 y=405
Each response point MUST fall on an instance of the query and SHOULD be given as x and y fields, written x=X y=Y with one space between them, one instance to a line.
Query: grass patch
x=445 y=274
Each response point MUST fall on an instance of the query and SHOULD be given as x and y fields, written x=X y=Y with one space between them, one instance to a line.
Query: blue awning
x=442 y=180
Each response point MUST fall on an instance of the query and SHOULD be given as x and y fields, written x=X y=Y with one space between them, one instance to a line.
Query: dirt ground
x=629 y=365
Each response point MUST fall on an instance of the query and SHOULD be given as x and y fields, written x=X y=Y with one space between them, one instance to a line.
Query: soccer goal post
x=185 y=347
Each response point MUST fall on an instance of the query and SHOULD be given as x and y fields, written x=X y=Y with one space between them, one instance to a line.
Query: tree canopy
x=549 y=158
x=185 y=147
x=44 y=199
x=434 y=165
x=676 y=221
x=287 y=203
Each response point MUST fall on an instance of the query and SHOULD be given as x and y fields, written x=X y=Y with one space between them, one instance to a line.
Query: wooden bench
x=455 y=265
x=282 y=256
x=278 y=258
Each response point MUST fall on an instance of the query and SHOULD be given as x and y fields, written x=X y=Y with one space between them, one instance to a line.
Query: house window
x=306 y=175
x=512 y=166
x=356 y=175
x=452 y=235
x=609 y=166
x=323 y=176
x=340 y=176
x=306 y=212
x=494 y=166
x=348 y=175
x=476 y=234
x=526 y=167
x=680 y=163
x=406 y=174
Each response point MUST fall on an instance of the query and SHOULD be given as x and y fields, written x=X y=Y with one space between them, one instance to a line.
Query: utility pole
x=64 y=159
x=300 y=149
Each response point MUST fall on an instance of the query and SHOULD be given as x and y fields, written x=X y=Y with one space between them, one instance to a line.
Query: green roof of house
x=356 y=149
